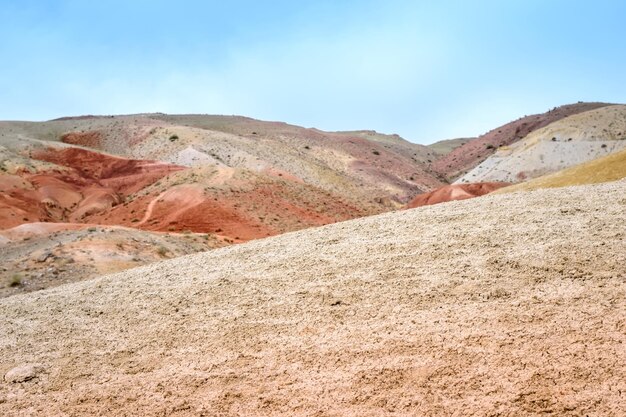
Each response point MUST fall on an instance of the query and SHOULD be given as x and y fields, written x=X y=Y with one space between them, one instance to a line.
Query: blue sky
x=427 y=70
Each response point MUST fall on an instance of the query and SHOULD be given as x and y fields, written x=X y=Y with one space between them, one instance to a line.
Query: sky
x=427 y=70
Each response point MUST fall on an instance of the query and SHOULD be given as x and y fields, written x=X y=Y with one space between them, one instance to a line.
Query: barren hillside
x=464 y=158
x=508 y=305
x=568 y=142
x=226 y=179
x=34 y=256
x=366 y=165
x=608 y=168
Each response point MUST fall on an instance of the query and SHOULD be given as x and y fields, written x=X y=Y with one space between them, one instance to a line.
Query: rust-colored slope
x=85 y=182
x=455 y=192
x=235 y=204
x=464 y=158
x=82 y=186
x=123 y=175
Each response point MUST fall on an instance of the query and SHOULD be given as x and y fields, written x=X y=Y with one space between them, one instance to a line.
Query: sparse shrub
x=91 y=229
x=173 y=138
x=376 y=152
x=307 y=147
x=490 y=147
x=16 y=280
x=161 y=251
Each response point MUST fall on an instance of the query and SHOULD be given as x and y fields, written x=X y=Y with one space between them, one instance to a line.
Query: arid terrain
x=605 y=169
x=115 y=192
x=312 y=209
x=507 y=305
x=42 y=255
x=464 y=158
x=570 y=141
x=211 y=180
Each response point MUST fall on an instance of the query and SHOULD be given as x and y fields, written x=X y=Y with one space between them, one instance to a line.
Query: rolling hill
x=196 y=182
x=572 y=140
x=213 y=180
x=455 y=192
x=464 y=158
x=444 y=147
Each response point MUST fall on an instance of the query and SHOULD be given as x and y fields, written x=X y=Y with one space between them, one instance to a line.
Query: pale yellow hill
x=606 y=169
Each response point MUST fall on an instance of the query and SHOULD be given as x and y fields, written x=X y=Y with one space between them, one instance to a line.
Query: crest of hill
x=346 y=318
x=464 y=158
x=360 y=165
x=570 y=141
x=444 y=147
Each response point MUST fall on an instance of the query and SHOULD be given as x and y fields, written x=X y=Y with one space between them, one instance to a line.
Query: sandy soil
x=508 y=305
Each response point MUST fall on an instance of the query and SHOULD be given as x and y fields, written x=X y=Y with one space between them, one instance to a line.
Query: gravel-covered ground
x=505 y=305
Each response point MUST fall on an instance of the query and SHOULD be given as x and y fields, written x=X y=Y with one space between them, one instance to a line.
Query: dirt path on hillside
x=150 y=208
x=507 y=305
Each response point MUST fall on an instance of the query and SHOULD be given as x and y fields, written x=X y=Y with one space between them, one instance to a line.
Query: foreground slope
x=568 y=142
x=508 y=304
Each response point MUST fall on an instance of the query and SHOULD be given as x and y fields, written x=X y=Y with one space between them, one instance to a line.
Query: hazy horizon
x=425 y=72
